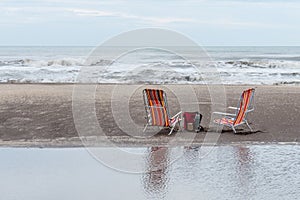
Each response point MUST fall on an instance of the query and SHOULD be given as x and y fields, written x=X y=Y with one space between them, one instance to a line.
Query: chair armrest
x=179 y=113
x=225 y=114
x=234 y=108
x=250 y=110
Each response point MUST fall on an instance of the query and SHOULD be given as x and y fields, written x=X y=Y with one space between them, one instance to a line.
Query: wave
x=240 y=63
x=287 y=83
x=261 y=64
x=65 y=62
x=65 y=70
x=41 y=63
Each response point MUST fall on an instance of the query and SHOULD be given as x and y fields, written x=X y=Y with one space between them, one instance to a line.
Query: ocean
x=231 y=65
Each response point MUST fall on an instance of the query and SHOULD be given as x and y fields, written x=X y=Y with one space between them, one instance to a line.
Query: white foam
x=151 y=67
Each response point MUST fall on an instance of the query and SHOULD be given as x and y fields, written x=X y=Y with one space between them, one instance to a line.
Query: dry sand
x=40 y=115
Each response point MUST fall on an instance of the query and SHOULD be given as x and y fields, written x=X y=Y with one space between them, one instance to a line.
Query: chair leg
x=171 y=131
x=145 y=128
x=249 y=126
x=219 y=124
x=233 y=129
x=173 y=127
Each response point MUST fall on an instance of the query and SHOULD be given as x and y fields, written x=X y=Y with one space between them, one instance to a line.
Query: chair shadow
x=242 y=132
x=165 y=131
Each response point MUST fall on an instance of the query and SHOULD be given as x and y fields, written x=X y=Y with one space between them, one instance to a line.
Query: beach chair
x=245 y=105
x=157 y=111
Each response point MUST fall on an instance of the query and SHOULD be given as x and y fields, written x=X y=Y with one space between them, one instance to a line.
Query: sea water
x=227 y=172
x=230 y=65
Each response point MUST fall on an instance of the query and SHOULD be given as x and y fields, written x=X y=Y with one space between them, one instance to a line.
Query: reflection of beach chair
x=244 y=107
x=157 y=110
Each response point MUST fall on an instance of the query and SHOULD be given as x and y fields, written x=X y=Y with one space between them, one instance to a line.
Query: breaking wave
x=52 y=62
x=65 y=70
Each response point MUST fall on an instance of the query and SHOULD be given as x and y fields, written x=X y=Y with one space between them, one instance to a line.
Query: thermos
x=197 y=122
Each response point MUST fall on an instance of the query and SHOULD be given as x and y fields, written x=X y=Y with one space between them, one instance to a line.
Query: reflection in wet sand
x=228 y=172
x=244 y=171
x=155 y=181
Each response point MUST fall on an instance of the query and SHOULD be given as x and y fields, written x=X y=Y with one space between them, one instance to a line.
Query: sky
x=208 y=22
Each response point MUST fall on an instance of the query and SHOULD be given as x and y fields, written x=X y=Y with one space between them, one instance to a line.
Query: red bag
x=189 y=117
x=190 y=121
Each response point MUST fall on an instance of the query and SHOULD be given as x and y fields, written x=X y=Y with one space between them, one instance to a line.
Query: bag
x=192 y=121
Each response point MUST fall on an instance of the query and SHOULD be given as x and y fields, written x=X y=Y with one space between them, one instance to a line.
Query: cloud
x=99 y=13
x=167 y=20
x=235 y=23
x=217 y=13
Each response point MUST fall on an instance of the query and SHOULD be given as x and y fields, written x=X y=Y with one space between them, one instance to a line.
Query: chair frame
x=231 y=116
x=172 y=124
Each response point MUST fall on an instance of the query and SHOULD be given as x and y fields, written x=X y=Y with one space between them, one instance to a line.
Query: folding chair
x=245 y=105
x=157 y=111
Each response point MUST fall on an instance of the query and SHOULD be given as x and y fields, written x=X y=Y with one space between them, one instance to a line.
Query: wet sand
x=40 y=115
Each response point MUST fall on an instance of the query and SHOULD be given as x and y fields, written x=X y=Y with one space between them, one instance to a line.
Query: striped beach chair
x=157 y=111
x=245 y=105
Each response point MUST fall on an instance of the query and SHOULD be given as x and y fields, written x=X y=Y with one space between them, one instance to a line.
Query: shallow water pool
x=227 y=172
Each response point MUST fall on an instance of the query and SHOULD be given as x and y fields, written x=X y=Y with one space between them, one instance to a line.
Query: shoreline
x=40 y=116
x=121 y=142
x=284 y=84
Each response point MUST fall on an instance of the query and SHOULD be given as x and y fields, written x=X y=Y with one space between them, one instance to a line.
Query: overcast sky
x=208 y=22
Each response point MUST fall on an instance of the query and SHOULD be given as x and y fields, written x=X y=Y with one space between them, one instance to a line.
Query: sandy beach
x=40 y=115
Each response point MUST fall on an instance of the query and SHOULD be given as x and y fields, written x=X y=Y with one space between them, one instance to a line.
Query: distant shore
x=40 y=115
